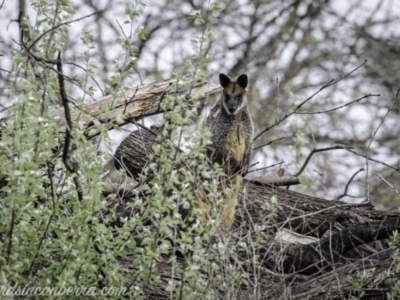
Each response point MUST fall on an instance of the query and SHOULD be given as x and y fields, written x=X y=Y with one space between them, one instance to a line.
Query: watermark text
x=29 y=290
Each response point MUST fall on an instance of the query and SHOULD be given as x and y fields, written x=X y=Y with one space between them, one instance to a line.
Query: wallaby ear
x=224 y=80
x=242 y=80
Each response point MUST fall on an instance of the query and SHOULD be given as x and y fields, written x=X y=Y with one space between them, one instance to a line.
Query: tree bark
x=142 y=101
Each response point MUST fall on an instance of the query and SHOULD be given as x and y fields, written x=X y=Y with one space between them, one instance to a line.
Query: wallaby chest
x=237 y=134
x=236 y=141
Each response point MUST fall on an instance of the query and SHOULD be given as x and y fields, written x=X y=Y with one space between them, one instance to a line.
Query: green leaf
x=304 y=180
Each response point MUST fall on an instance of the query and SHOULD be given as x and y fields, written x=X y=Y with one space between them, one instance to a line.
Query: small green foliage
x=393 y=273
x=356 y=283
x=304 y=180
x=271 y=207
x=215 y=6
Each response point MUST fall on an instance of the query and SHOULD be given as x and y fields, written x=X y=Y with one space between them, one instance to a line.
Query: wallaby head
x=234 y=97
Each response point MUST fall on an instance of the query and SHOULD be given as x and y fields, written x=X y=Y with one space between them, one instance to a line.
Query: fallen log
x=134 y=104
x=341 y=230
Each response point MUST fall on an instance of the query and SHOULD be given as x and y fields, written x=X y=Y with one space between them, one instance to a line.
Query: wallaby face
x=234 y=96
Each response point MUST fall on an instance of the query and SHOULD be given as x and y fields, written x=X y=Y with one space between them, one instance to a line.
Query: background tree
x=59 y=57
x=288 y=48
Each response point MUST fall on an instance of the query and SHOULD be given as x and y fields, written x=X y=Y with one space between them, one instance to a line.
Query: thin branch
x=4 y=70
x=348 y=184
x=59 y=25
x=35 y=57
x=339 y=148
x=339 y=107
x=10 y=233
x=64 y=100
x=50 y=170
x=383 y=120
x=131 y=54
x=385 y=181
x=318 y=150
x=54 y=62
x=127 y=102
x=133 y=121
x=330 y=83
x=269 y=143
x=263 y=168
x=373 y=137
x=374 y=160
x=256 y=163
x=85 y=70
x=68 y=136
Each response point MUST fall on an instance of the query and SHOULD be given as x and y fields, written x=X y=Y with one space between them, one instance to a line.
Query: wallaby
x=233 y=132
x=232 y=127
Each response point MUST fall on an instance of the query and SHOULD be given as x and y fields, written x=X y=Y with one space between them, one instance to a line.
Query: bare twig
x=330 y=83
x=339 y=107
x=252 y=165
x=371 y=159
x=270 y=142
x=59 y=25
x=131 y=54
x=348 y=184
x=68 y=136
x=133 y=121
x=4 y=70
x=10 y=233
x=263 y=168
x=383 y=119
x=50 y=170
x=277 y=98
x=127 y=101
x=341 y=148
x=373 y=137
x=86 y=71
x=385 y=181
x=318 y=150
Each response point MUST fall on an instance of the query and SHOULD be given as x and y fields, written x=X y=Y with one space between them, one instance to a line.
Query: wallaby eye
x=227 y=97
x=239 y=99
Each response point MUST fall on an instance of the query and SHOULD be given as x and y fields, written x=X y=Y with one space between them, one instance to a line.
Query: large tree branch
x=141 y=102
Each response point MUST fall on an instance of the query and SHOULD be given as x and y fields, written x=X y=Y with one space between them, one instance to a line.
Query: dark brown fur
x=233 y=132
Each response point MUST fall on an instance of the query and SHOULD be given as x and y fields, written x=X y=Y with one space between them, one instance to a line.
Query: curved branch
x=315 y=151
x=348 y=184
x=339 y=107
